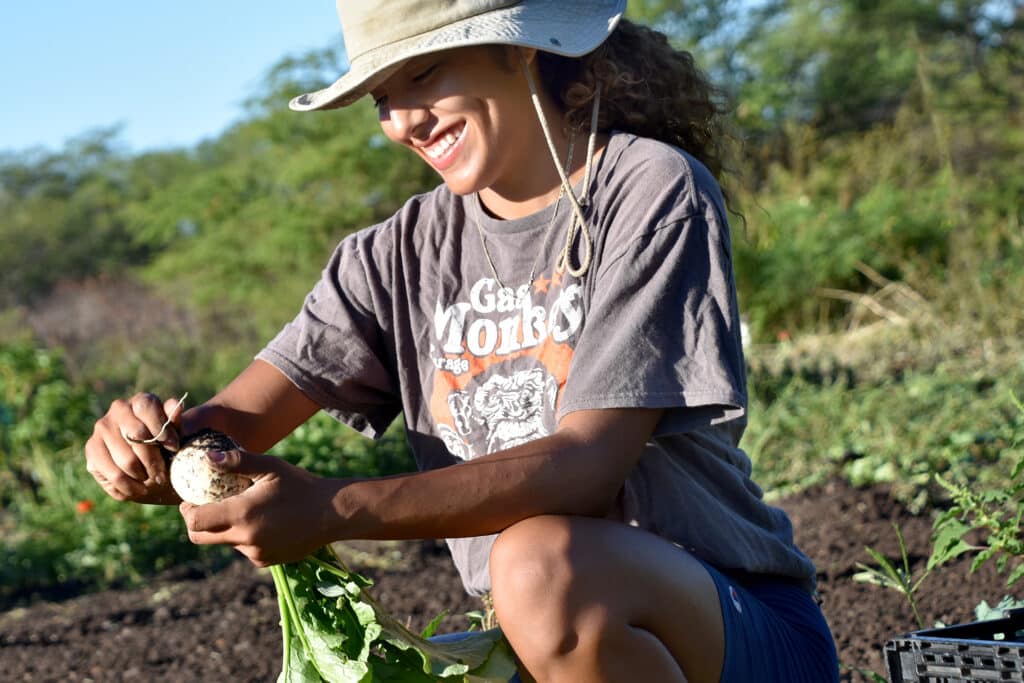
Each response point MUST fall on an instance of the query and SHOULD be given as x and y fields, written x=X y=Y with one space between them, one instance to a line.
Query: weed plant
x=60 y=532
x=995 y=513
x=899 y=430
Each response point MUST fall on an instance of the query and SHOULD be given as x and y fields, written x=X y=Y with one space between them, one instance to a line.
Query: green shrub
x=58 y=527
x=816 y=419
x=330 y=449
x=996 y=512
x=68 y=532
x=807 y=245
x=39 y=407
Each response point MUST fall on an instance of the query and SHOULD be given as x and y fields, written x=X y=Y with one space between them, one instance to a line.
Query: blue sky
x=172 y=73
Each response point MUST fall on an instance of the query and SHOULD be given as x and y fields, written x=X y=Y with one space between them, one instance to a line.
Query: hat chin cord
x=578 y=221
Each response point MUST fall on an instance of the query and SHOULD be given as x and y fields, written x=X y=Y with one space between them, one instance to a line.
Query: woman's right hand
x=124 y=467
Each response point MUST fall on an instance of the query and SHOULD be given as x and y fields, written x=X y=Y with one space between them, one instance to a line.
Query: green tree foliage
x=60 y=216
x=876 y=134
x=843 y=65
x=865 y=123
x=273 y=196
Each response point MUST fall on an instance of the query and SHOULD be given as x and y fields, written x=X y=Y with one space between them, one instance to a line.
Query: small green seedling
x=898 y=578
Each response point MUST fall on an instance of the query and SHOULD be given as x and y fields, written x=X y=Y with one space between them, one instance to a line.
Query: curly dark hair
x=648 y=88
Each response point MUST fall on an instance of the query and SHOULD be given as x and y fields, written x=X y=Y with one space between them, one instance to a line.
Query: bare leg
x=584 y=599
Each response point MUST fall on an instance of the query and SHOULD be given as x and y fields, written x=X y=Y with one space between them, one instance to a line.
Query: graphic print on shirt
x=500 y=361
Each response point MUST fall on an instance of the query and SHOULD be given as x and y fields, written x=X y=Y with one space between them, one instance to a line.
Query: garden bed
x=225 y=626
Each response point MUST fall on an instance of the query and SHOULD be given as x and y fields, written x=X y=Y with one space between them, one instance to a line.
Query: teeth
x=438 y=149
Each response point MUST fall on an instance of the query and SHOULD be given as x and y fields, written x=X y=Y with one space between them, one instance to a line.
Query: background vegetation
x=880 y=259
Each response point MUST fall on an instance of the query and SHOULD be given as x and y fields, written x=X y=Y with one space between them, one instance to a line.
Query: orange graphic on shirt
x=499 y=382
x=553 y=357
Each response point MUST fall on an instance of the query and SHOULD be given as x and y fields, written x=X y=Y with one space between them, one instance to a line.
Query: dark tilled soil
x=225 y=627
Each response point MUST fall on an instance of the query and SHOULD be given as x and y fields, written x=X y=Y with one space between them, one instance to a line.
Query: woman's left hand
x=285 y=515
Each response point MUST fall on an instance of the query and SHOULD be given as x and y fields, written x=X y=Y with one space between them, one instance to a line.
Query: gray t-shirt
x=409 y=317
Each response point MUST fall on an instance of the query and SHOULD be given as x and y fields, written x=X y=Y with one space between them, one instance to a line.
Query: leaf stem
x=281 y=581
x=286 y=622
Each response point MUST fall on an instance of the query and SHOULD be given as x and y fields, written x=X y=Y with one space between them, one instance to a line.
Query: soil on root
x=225 y=626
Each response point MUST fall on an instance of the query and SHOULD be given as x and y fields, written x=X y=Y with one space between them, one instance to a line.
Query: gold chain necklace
x=536 y=260
x=578 y=221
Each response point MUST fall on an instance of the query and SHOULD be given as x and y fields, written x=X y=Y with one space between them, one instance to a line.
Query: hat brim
x=568 y=27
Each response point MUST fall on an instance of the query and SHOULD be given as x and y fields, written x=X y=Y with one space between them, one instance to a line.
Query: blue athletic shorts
x=774 y=632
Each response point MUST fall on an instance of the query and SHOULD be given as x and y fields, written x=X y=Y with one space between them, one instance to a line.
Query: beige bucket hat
x=380 y=35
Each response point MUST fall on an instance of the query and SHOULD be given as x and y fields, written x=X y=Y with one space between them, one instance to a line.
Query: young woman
x=557 y=322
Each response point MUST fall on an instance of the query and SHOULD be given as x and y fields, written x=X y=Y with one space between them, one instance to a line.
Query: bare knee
x=542 y=597
x=531 y=579
x=576 y=599
x=530 y=563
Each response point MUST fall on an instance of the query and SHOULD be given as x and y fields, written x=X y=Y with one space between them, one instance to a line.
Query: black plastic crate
x=977 y=652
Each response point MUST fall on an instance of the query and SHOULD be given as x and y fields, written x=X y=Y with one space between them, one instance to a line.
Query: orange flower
x=84 y=506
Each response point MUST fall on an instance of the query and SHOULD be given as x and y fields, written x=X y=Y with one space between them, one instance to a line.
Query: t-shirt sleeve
x=337 y=350
x=662 y=329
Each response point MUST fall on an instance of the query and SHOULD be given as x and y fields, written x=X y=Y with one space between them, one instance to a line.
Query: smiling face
x=467 y=113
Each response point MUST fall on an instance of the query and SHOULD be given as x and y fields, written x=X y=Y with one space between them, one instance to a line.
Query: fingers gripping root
x=168 y=423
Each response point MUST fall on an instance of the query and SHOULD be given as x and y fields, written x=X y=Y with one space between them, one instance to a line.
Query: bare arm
x=578 y=470
x=258 y=408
